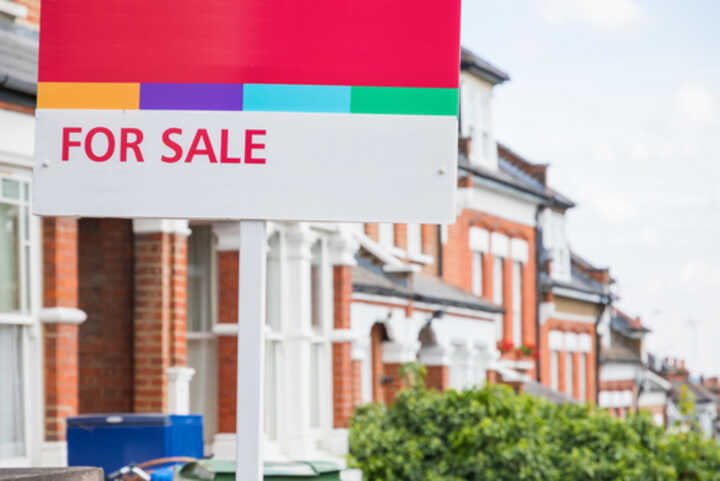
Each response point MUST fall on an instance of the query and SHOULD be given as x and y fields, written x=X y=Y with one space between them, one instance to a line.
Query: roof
x=531 y=173
x=544 y=392
x=419 y=287
x=482 y=68
x=619 y=353
x=18 y=60
x=625 y=324
x=701 y=393
x=578 y=282
x=504 y=178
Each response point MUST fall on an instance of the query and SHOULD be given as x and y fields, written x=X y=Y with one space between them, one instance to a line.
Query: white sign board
x=248 y=165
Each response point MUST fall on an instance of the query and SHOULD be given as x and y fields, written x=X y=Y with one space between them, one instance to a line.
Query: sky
x=622 y=98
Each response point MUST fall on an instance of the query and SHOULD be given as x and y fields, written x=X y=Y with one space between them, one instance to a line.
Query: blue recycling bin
x=111 y=441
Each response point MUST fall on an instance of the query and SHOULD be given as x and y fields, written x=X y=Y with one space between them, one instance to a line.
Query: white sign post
x=251 y=110
x=251 y=343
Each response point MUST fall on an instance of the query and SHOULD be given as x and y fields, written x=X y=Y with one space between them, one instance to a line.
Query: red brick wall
x=438 y=377
x=159 y=337
x=60 y=341
x=457 y=267
x=344 y=385
x=400 y=231
x=227 y=345
x=430 y=246
x=378 y=370
x=372 y=230
x=227 y=383
x=178 y=300
x=106 y=296
x=396 y=384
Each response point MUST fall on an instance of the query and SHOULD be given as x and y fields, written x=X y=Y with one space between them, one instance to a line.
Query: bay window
x=15 y=313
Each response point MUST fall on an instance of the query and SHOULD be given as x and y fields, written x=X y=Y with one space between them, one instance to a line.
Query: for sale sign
x=336 y=110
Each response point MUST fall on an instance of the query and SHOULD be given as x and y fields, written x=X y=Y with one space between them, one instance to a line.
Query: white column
x=179 y=378
x=295 y=431
x=250 y=348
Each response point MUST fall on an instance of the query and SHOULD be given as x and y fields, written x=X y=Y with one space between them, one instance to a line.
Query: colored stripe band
x=249 y=97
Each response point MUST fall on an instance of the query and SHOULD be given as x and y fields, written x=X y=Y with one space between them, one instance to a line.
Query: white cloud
x=696 y=104
x=600 y=14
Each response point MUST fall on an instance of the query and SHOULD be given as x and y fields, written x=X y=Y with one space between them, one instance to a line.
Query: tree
x=495 y=434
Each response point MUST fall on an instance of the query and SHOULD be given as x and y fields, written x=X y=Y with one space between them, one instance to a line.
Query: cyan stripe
x=296 y=98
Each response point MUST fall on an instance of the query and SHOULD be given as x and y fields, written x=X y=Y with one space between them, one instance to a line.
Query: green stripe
x=404 y=101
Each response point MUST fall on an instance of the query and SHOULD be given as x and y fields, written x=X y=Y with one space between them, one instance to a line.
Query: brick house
x=629 y=381
x=140 y=315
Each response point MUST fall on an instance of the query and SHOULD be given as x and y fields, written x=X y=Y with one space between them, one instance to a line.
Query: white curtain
x=12 y=427
x=9 y=258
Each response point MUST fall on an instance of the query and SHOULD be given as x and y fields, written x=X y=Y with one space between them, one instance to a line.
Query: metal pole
x=250 y=348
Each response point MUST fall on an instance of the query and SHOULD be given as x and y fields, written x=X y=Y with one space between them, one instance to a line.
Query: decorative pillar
x=297 y=436
x=346 y=372
x=437 y=362
x=61 y=318
x=160 y=346
x=507 y=299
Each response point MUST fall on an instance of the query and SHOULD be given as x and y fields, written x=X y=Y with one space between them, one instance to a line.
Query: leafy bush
x=495 y=434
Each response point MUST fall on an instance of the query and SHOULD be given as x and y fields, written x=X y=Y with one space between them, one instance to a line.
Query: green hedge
x=495 y=434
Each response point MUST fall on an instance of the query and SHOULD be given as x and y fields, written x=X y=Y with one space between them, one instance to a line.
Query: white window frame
x=498 y=280
x=517 y=285
x=414 y=239
x=26 y=317
x=320 y=342
x=555 y=370
x=386 y=234
x=477 y=272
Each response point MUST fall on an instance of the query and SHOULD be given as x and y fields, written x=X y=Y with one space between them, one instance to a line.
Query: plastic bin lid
x=119 y=419
x=301 y=469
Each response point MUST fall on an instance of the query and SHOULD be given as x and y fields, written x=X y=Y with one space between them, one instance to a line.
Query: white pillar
x=295 y=437
x=179 y=389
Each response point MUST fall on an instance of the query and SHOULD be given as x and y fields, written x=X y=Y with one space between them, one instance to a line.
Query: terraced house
x=140 y=315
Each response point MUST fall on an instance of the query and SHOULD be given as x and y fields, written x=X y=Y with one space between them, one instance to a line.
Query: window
x=498 y=279
x=582 y=375
x=517 y=303
x=554 y=370
x=270 y=387
x=315 y=300
x=315 y=385
x=569 y=374
x=414 y=239
x=15 y=292
x=477 y=273
x=201 y=316
x=12 y=417
x=200 y=279
x=386 y=234
x=15 y=297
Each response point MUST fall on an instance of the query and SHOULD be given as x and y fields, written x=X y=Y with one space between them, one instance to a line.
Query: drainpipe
x=607 y=300
x=538 y=288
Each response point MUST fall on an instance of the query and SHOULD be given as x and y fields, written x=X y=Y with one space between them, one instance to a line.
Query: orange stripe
x=88 y=95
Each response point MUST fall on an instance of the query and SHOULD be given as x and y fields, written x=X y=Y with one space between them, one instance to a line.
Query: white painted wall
x=498 y=204
x=477 y=120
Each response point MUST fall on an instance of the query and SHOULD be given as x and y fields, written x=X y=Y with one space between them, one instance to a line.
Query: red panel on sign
x=394 y=43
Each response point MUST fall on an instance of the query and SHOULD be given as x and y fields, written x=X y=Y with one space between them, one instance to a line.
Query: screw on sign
x=251 y=110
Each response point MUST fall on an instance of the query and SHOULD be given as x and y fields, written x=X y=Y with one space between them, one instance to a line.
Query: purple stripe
x=159 y=96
